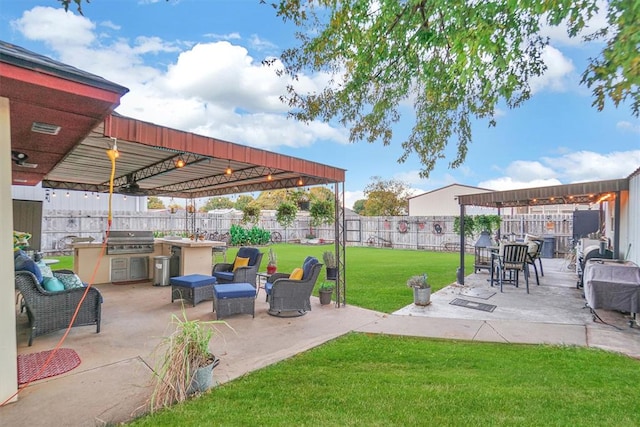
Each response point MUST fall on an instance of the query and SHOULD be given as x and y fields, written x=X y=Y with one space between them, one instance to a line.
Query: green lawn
x=376 y=380
x=363 y=379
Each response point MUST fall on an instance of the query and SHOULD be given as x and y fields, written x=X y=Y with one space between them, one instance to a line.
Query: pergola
x=579 y=193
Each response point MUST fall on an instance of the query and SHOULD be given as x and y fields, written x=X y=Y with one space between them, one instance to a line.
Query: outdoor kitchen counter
x=195 y=255
x=195 y=259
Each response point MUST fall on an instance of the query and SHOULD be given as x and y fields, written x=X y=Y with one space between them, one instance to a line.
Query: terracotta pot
x=271 y=269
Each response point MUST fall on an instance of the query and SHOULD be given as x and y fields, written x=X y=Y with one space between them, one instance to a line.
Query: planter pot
x=202 y=379
x=332 y=273
x=421 y=296
x=271 y=269
x=325 y=297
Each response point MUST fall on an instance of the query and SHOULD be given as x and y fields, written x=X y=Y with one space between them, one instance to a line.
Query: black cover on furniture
x=289 y=297
x=52 y=311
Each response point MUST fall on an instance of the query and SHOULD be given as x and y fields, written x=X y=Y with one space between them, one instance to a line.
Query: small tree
x=321 y=212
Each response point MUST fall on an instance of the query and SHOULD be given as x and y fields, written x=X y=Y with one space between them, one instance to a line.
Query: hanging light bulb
x=67 y=195
x=85 y=195
x=180 y=162
x=269 y=177
x=98 y=196
x=229 y=171
x=125 y=197
x=300 y=182
x=54 y=193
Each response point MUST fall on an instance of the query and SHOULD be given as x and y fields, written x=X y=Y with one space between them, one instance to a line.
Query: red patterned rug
x=29 y=365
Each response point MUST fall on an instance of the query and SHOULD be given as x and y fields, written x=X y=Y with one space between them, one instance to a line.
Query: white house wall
x=443 y=202
x=630 y=222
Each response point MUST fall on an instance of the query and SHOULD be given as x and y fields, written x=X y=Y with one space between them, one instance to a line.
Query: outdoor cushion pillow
x=45 y=269
x=296 y=274
x=307 y=267
x=70 y=280
x=240 y=262
x=26 y=263
x=52 y=284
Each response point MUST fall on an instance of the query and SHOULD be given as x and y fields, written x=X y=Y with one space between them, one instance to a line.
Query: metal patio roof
x=584 y=192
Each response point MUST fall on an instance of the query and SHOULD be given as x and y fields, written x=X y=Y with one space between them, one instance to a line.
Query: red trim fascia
x=40 y=78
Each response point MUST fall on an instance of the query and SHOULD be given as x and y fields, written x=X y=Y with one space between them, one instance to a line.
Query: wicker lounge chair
x=52 y=311
x=224 y=273
x=290 y=297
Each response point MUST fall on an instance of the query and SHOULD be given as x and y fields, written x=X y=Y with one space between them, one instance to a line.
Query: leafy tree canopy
x=154 y=202
x=385 y=197
x=358 y=206
x=243 y=200
x=271 y=199
x=321 y=193
x=217 y=203
x=455 y=61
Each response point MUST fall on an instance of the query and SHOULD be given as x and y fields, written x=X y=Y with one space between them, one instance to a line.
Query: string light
x=67 y=195
x=180 y=162
x=54 y=193
x=269 y=177
x=98 y=196
x=229 y=171
x=300 y=182
x=85 y=195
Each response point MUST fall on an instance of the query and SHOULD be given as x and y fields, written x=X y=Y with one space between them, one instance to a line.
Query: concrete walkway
x=113 y=382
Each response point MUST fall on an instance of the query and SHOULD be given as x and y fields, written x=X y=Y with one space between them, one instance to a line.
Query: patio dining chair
x=533 y=254
x=512 y=259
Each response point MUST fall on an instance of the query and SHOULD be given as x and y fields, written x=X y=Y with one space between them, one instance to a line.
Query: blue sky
x=195 y=65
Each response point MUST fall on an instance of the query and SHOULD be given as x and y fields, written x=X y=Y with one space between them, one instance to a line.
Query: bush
x=254 y=236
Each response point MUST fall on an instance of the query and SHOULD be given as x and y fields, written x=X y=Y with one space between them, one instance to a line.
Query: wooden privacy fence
x=403 y=232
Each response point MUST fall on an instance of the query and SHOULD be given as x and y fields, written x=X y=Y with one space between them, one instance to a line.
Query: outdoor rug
x=29 y=365
x=473 y=304
x=479 y=293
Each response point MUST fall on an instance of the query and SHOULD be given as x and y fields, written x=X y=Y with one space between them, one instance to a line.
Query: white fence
x=404 y=232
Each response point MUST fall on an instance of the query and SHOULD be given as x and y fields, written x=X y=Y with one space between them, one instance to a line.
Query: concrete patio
x=113 y=382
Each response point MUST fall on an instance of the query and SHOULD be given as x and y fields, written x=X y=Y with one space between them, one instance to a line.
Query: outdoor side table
x=192 y=288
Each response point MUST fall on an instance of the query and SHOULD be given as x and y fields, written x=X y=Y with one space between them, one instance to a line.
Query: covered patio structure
x=615 y=192
x=56 y=125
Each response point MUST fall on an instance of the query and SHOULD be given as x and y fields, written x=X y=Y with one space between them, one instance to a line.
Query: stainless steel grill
x=130 y=242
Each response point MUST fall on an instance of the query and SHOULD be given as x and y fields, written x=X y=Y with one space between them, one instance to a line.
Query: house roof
x=448 y=186
x=45 y=94
x=584 y=192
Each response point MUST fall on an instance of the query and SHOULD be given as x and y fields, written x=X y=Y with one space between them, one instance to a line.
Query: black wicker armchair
x=52 y=311
x=224 y=272
x=290 y=297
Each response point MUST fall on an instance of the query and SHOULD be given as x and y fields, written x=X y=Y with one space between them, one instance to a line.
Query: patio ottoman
x=192 y=288
x=234 y=298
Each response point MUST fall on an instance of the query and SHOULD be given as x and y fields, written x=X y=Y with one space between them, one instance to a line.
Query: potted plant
x=251 y=213
x=186 y=367
x=329 y=259
x=325 y=291
x=421 y=289
x=272 y=265
x=485 y=225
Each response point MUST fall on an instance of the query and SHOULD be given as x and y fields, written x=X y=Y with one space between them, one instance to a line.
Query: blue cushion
x=193 y=280
x=307 y=267
x=267 y=288
x=26 y=263
x=224 y=275
x=251 y=253
x=52 y=284
x=234 y=290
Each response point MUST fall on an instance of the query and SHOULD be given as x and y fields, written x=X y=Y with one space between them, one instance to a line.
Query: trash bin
x=548 y=247
x=161 y=270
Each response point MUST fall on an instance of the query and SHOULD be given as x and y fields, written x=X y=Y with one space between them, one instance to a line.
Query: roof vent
x=45 y=128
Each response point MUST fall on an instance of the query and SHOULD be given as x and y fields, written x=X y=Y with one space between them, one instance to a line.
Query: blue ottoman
x=192 y=288
x=234 y=298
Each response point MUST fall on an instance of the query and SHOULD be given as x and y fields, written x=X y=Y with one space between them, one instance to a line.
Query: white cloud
x=559 y=74
x=558 y=34
x=580 y=166
x=628 y=126
x=350 y=197
x=215 y=89
x=508 y=183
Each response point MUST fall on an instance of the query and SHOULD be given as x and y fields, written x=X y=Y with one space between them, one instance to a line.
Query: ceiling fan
x=20 y=159
x=132 y=187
